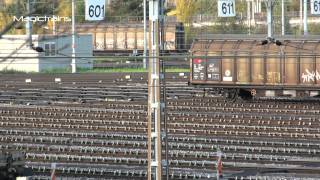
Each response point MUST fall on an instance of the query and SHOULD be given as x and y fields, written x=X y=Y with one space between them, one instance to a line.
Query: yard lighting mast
x=305 y=17
x=282 y=18
x=145 y=44
x=270 y=4
x=155 y=106
x=73 y=62
x=29 y=26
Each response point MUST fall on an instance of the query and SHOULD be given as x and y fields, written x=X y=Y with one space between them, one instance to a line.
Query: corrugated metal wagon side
x=245 y=67
x=120 y=37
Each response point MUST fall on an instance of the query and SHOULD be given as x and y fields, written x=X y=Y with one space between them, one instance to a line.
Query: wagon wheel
x=253 y=92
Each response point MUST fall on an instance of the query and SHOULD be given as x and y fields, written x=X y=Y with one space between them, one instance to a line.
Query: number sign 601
x=95 y=10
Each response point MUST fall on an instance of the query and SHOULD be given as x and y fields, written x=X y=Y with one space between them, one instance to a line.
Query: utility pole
x=73 y=63
x=145 y=44
x=155 y=106
x=305 y=21
x=301 y=15
x=29 y=25
x=53 y=22
x=269 y=5
x=249 y=15
x=282 y=18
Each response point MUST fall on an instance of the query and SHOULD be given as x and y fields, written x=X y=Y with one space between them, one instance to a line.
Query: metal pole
x=154 y=100
x=249 y=15
x=29 y=26
x=253 y=10
x=165 y=119
x=73 y=63
x=282 y=18
x=162 y=36
x=163 y=109
x=305 y=26
x=145 y=43
x=53 y=22
x=269 y=18
x=301 y=15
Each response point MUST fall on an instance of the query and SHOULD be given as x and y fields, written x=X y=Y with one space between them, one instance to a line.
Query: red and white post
x=53 y=171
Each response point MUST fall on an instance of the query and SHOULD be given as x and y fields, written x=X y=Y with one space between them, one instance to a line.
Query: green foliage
x=80 y=11
x=186 y=9
x=12 y=71
x=220 y=25
x=6 y=14
x=124 y=8
x=314 y=29
x=56 y=71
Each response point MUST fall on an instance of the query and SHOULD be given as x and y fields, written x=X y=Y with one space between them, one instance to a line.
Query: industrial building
x=17 y=55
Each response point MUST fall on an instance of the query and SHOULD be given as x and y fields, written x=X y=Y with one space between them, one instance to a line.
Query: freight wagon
x=112 y=37
x=246 y=68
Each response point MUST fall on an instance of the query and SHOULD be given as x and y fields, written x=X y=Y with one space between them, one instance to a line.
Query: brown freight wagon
x=113 y=37
x=244 y=67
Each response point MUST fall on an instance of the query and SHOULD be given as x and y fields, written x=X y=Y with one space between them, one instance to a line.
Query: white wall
x=15 y=55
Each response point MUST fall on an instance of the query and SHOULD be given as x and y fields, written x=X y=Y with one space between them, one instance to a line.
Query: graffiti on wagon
x=310 y=76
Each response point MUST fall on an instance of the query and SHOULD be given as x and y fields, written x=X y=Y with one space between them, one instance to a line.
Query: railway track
x=99 y=131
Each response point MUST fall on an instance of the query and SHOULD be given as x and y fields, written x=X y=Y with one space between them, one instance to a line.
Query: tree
x=231 y=25
x=7 y=11
x=125 y=8
x=64 y=9
x=185 y=10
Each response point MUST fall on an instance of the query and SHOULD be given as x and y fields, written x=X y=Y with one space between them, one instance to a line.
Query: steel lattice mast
x=155 y=106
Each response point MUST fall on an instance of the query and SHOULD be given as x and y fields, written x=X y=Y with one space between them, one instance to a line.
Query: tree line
x=185 y=11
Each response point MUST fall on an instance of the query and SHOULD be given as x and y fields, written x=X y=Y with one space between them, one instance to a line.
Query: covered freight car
x=127 y=37
x=245 y=67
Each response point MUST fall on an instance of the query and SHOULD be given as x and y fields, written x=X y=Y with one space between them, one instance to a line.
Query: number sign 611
x=315 y=6
x=95 y=10
x=226 y=8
